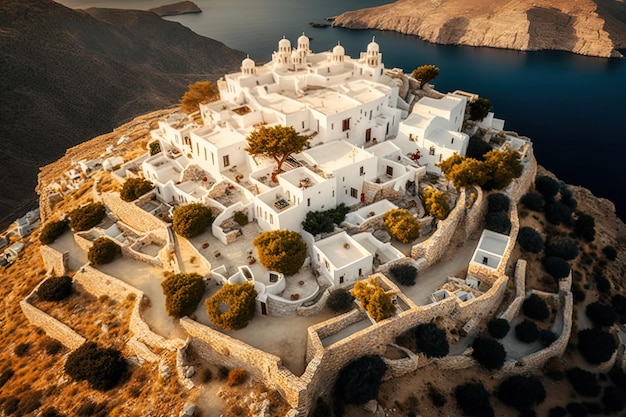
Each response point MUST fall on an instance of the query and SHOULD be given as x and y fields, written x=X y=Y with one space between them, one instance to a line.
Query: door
x=263 y=308
x=368 y=134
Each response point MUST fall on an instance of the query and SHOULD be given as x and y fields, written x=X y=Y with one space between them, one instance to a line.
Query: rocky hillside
x=69 y=75
x=587 y=27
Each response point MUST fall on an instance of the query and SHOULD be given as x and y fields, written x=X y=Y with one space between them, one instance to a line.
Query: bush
x=155 y=148
x=477 y=148
x=584 y=382
x=561 y=246
x=402 y=225
x=55 y=288
x=473 y=399
x=404 y=274
x=498 y=222
x=317 y=222
x=86 y=217
x=498 y=202
x=547 y=186
x=360 y=380
x=602 y=315
x=30 y=401
x=521 y=392
x=192 y=219
x=436 y=397
x=21 y=350
x=5 y=376
x=338 y=214
x=90 y=408
x=236 y=377
x=479 y=108
x=101 y=367
x=602 y=284
x=182 y=293
x=321 y=408
x=102 y=251
x=340 y=300
x=498 y=328
x=585 y=226
x=502 y=168
x=610 y=252
x=52 y=230
x=613 y=399
x=530 y=240
x=557 y=213
x=240 y=218
x=431 y=340
x=596 y=345
x=489 y=353
x=51 y=412
x=436 y=203
x=535 y=308
x=557 y=267
x=526 y=331
x=134 y=188
x=52 y=346
x=281 y=250
x=533 y=201
x=547 y=337
x=232 y=307
x=374 y=299
x=618 y=301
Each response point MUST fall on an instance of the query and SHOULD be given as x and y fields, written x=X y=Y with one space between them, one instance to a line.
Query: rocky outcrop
x=182 y=7
x=584 y=27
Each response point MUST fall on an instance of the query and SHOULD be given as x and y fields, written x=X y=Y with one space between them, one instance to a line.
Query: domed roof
x=247 y=63
x=303 y=39
x=339 y=50
x=373 y=46
x=284 y=43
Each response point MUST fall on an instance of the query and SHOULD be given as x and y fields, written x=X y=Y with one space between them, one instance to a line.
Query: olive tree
x=192 y=219
x=374 y=299
x=425 y=74
x=402 y=225
x=232 y=307
x=436 y=203
x=182 y=292
x=87 y=216
x=479 y=108
x=281 y=250
x=134 y=188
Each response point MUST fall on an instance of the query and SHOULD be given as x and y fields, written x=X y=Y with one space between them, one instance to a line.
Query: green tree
x=101 y=367
x=436 y=203
x=402 y=225
x=192 y=219
x=360 y=380
x=87 y=216
x=374 y=299
x=276 y=142
x=479 y=108
x=431 y=340
x=425 y=74
x=102 y=251
x=488 y=352
x=134 y=188
x=232 y=307
x=465 y=172
x=503 y=167
x=198 y=93
x=473 y=399
x=317 y=222
x=55 y=288
x=155 y=147
x=521 y=392
x=182 y=292
x=52 y=230
x=281 y=250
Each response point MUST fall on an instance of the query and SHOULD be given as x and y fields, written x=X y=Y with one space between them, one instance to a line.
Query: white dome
x=339 y=50
x=284 y=43
x=247 y=63
x=303 y=39
x=373 y=46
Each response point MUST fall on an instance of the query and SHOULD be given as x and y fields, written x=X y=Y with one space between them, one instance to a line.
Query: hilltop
x=68 y=75
x=586 y=27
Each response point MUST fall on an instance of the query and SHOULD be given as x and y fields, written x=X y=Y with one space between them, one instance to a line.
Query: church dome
x=373 y=46
x=247 y=63
x=284 y=43
x=339 y=50
x=303 y=39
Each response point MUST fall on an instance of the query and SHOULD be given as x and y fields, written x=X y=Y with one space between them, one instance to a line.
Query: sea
x=572 y=107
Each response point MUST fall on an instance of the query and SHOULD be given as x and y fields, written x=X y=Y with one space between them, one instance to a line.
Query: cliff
x=69 y=75
x=182 y=7
x=586 y=27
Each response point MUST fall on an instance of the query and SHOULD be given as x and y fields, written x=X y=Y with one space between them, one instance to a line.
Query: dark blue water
x=572 y=107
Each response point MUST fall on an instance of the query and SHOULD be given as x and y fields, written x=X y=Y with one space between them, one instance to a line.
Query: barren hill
x=68 y=75
x=587 y=27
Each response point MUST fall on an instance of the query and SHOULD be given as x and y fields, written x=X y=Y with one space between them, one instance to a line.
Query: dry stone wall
x=54 y=261
x=131 y=214
x=475 y=215
x=520 y=292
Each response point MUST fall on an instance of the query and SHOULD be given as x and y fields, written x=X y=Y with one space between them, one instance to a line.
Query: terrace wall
x=53 y=260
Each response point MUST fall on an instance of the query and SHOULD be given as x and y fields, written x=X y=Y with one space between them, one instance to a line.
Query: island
x=174 y=9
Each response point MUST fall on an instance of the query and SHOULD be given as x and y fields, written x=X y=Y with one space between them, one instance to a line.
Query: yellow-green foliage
x=281 y=250
x=402 y=225
x=436 y=203
x=102 y=251
x=183 y=292
x=425 y=74
x=276 y=142
x=503 y=167
x=232 y=307
x=374 y=299
x=192 y=219
x=496 y=172
x=86 y=217
x=134 y=188
x=199 y=92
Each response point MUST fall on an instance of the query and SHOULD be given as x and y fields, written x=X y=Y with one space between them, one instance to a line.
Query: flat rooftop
x=336 y=154
x=445 y=103
x=220 y=138
x=281 y=103
x=328 y=101
x=341 y=250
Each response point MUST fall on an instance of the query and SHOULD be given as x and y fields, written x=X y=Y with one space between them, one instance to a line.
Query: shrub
x=584 y=382
x=155 y=148
x=21 y=350
x=557 y=267
x=374 y=299
x=101 y=367
x=86 y=217
x=562 y=246
x=498 y=328
x=5 y=376
x=436 y=397
x=498 y=202
x=479 y=108
x=317 y=222
x=281 y=250
x=52 y=230
x=52 y=346
x=473 y=399
x=585 y=227
x=182 y=293
x=436 y=203
x=533 y=201
x=477 y=148
x=521 y=392
x=526 y=331
x=321 y=408
x=502 y=168
x=498 y=222
x=402 y=225
x=240 y=218
x=595 y=345
x=404 y=274
x=613 y=399
x=602 y=315
x=530 y=240
x=618 y=301
x=30 y=401
x=192 y=219
x=431 y=340
x=338 y=214
x=232 y=307
x=547 y=337
x=359 y=381
x=488 y=352
x=102 y=251
x=134 y=188
x=610 y=252
x=10 y=405
x=51 y=412
x=535 y=308
x=602 y=284
x=340 y=300
x=547 y=186
x=593 y=408
x=236 y=377
x=557 y=213
x=55 y=288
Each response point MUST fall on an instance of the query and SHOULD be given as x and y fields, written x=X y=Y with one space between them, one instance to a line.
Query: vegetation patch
x=192 y=219
x=232 y=307
x=283 y=251
x=86 y=217
x=182 y=292
x=101 y=367
x=55 y=288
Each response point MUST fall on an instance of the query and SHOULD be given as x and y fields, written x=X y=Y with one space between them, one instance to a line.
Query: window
x=271 y=219
x=345 y=124
x=354 y=193
x=411 y=136
x=451 y=141
x=431 y=151
x=226 y=160
x=205 y=157
x=212 y=158
x=333 y=193
x=332 y=126
x=341 y=279
x=308 y=202
x=368 y=134
x=370 y=115
x=389 y=171
x=361 y=171
x=302 y=124
x=326 y=264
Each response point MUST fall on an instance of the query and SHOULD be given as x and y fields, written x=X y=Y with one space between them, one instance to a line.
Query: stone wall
x=475 y=215
x=521 y=185
x=131 y=214
x=314 y=308
x=520 y=292
x=53 y=260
